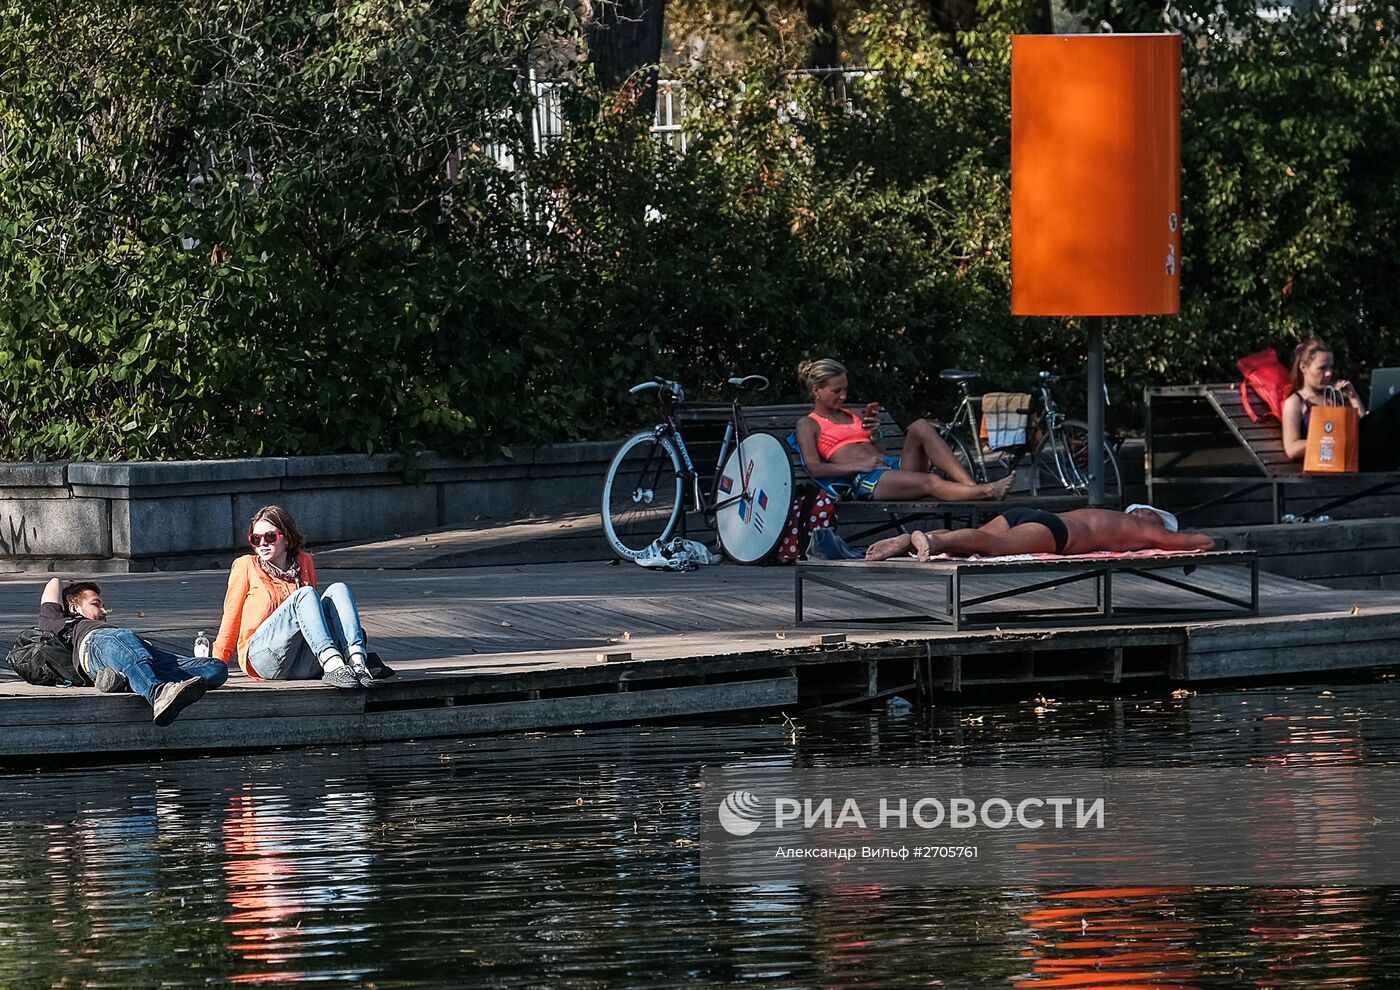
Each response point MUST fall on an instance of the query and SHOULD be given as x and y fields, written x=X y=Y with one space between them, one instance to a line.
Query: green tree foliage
x=367 y=276
x=264 y=227
x=876 y=228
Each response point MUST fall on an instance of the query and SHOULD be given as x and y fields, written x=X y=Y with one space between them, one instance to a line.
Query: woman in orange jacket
x=277 y=624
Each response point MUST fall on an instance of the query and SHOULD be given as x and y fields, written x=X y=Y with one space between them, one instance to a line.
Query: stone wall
x=185 y=514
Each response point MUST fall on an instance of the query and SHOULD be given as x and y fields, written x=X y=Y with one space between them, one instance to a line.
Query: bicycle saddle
x=755 y=381
x=957 y=375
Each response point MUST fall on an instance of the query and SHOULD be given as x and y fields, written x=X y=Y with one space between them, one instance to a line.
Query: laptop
x=1385 y=384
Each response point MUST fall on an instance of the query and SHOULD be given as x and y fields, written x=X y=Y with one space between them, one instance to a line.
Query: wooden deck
x=494 y=649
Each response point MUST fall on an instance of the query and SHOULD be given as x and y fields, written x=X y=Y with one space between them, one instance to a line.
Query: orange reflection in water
x=1120 y=938
x=262 y=903
x=284 y=869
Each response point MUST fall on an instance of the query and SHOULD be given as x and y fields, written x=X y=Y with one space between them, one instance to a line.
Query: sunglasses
x=263 y=539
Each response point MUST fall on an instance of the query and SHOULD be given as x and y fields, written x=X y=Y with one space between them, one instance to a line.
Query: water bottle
x=202 y=646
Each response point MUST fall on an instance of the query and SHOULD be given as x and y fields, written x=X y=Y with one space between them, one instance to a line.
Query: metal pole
x=1096 y=410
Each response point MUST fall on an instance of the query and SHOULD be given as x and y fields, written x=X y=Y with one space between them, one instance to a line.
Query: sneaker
x=111 y=681
x=356 y=663
x=657 y=558
x=377 y=668
x=173 y=697
x=691 y=551
x=652 y=557
x=341 y=677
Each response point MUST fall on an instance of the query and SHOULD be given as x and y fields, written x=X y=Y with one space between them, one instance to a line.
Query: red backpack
x=1267 y=378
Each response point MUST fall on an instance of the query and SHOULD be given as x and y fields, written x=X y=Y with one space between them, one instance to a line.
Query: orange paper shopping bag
x=1333 y=439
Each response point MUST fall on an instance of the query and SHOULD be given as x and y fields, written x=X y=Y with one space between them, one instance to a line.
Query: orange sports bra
x=831 y=437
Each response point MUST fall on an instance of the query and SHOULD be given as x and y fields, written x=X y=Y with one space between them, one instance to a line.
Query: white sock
x=331 y=660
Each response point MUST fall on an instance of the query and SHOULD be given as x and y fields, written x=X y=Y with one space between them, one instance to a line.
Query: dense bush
x=367 y=277
x=265 y=227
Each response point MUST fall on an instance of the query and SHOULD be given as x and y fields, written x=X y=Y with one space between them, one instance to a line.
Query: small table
x=952 y=607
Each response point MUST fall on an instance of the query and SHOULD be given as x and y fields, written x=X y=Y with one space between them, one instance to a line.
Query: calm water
x=566 y=860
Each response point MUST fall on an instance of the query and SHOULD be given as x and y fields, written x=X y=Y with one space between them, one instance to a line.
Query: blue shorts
x=861 y=487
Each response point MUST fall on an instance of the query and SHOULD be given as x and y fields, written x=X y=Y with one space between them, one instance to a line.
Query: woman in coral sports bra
x=837 y=446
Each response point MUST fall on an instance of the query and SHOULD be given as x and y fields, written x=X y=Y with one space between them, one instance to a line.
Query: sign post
x=1095 y=188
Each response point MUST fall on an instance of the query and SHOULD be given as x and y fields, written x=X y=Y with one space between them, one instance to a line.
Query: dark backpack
x=42 y=657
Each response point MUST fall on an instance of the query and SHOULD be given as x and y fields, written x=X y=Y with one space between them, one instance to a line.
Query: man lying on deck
x=116 y=658
x=1018 y=531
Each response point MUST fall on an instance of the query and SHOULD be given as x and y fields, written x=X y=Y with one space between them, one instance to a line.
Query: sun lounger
x=941 y=590
x=1201 y=440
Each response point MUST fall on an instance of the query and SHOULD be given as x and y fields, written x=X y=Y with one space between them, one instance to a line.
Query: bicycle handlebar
x=756 y=381
x=1047 y=379
x=678 y=393
x=671 y=388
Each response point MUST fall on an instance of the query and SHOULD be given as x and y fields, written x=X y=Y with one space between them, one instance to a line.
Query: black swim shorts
x=1015 y=517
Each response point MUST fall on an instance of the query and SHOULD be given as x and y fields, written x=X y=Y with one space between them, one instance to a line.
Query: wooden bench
x=1200 y=437
x=704 y=430
x=915 y=587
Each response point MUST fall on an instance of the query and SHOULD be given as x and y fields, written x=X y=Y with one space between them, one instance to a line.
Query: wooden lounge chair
x=1200 y=440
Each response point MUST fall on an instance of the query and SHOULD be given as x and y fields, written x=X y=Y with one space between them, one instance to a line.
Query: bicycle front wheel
x=641 y=494
x=1061 y=463
x=975 y=468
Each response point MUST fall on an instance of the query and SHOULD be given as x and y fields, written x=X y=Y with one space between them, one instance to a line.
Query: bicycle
x=1057 y=445
x=748 y=497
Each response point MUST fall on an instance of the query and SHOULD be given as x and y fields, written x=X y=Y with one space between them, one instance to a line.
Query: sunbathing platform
x=946 y=590
x=567 y=647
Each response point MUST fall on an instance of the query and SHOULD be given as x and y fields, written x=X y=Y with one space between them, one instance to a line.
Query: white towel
x=1005 y=416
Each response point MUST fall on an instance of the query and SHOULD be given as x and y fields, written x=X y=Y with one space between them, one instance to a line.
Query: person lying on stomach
x=1019 y=531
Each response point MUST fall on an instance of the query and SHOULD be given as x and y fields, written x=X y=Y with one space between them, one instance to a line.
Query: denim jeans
x=287 y=645
x=147 y=667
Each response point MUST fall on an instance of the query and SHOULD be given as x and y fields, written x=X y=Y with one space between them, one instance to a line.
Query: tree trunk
x=624 y=36
x=821 y=19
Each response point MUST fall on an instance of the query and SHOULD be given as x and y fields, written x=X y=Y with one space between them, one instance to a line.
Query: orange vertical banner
x=1095 y=174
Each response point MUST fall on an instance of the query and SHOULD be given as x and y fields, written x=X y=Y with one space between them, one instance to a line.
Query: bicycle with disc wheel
x=652 y=479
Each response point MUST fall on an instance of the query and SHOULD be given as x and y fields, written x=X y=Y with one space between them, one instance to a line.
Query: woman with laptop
x=1313 y=374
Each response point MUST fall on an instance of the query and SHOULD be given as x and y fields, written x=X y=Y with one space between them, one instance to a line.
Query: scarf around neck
x=292 y=573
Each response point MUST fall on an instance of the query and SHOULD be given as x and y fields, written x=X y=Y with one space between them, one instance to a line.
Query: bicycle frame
x=734 y=432
x=1051 y=420
x=967 y=417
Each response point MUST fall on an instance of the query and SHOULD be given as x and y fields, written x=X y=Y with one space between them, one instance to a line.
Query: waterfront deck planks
x=512 y=648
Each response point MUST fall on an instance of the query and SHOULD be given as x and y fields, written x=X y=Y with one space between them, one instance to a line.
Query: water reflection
x=1126 y=939
x=281 y=868
x=573 y=861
